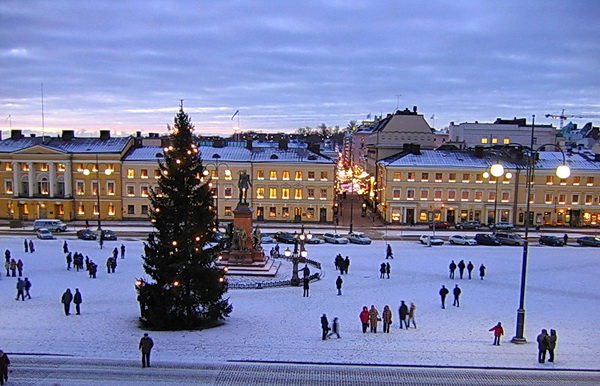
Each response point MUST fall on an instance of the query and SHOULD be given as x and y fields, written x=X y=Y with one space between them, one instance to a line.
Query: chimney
x=104 y=134
x=415 y=109
x=32 y=135
x=16 y=134
x=138 y=134
x=165 y=141
x=218 y=142
x=68 y=135
x=406 y=147
x=283 y=144
x=249 y=143
x=479 y=151
x=415 y=148
x=315 y=147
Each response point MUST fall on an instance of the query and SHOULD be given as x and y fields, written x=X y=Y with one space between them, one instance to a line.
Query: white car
x=359 y=238
x=334 y=238
x=266 y=239
x=462 y=240
x=44 y=234
x=426 y=239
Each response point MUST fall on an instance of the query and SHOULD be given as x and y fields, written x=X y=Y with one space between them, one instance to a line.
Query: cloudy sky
x=124 y=65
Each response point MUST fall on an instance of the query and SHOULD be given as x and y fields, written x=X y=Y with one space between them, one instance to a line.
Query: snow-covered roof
x=74 y=145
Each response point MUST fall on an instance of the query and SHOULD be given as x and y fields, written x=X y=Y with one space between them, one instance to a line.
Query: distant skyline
x=124 y=66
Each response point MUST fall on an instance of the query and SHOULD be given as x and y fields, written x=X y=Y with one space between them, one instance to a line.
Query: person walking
x=7 y=266
x=387 y=318
x=388 y=269
x=443 y=293
x=324 y=327
x=412 y=312
x=69 y=260
x=115 y=253
x=26 y=245
x=551 y=345
x=305 y=271
x=31 y=246
x=542 y=340
x=145 y=346
x=566 y=238
x=66 y=299
x=382 y=271
x=364 y=318
x=373 y=318
x=4 y=363
x=461 y=268
x=27 y=288
x=20 y=267
x=20 y=289
x=306 y=286
x=482 y=271
x=7 y=255
x=498 y=332
x=13 y=267
x=335 y=328
x=470 y=267
x=109 y=264
x=65 y=247
x=389 y=254
x=403 y=312
x=456 y=292
x=452 y=268
x=122 y=251
x=77 y=300
x=346 y=264
x=338 y=284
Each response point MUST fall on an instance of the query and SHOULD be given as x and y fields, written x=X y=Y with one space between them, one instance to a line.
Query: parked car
x=51 y=225
x=502 y=225
x=86 y=234
x=107 y=234
x=359 y=238
x=45 y=234
x=315 y=240
x=486 y=239
x=440 y=225
x=552 y=240
x=285 y=237
x=426 y=239
x=509 y=238
x=461 y=240
x=266 y=239
x=590 y=241
x=335 y=238
x=468 y=225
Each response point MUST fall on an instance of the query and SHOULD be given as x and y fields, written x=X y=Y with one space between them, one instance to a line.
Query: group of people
x=12 y=266
x=461 y=269
x=385 y=269
x=328 y=331
x=342 y=264
x=68 y=297
x=370 y=318
x=546 y=343
x=28 y=246
x=456 y=291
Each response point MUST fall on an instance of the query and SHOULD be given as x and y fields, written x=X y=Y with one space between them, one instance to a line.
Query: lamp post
x=497 y=171
x=297 y=254
x=562 y=171
x=216 y=157
x=108 y=172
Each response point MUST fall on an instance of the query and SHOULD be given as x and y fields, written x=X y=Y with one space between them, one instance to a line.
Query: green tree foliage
x=187 y=288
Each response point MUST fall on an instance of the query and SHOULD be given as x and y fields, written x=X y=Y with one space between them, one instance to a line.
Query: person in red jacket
x=498 y=332
x=364 y=318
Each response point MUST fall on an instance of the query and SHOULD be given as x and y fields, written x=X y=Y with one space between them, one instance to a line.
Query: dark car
x=285 y=237
x=468 y=225
x=440 y=225
x=552 y=240
x=86 y=234
x=590 y=241
x=108 y=235
x=485 y=239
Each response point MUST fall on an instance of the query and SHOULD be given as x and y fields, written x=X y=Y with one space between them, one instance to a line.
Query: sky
x=124 y=66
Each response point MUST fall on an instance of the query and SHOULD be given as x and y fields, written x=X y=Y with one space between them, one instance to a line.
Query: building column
x=51 y=178
x=16 y=178
x=68 y=180
x=31 y=176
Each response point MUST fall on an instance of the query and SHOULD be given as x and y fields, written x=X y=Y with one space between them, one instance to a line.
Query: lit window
x=156 y=173
x=588 y=199
x=8 y=167
x=505 y=196
x=491 y=196
x=323 y=195
x=60 y=209
x=298 y=193
x=144 y=173
x=464 y=195
x=562 y=198
x=273 y=174
x=24 y=167
x=272 y=192
x=323 y=176
x=131 y=190
x=452 y=177
x=94 y=188
x=95 y=210
x=311 y=176
x=298 y=175
x=548 y=199
x=478 y=196
x=484 y=140
x=227 y=191
x=285 y=212
x=272 y=212
x=549 y=180
x=130 y=173
x=110 y=188
x=228 y=211
x=438 y=177
x=506 y=141
x=111 y=209
x=80 y=188
x=214 y=174
x=424 y=177
x=590 y=181
x=410 y=194
x=144 y=191
x=478 y=178
x=285 y=193
x=260 y=174
x=396 y=176
x=310 y=213
x=285 y=175
x=563 y=182
x=437 y=195
x=396 y=194
x=466 y=177
x=80 y=209
x=411 y=176
x=44 y=167
x=576 y=180
x=310 y=193
x=25 y=209
x=424 y=194
x=61 y=167
x=8 y=186
x=260 y=192
x=494 y=140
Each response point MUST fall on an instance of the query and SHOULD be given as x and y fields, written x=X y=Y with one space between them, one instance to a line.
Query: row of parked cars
x=473 y=225
x=330 y=237
x=504 y=238
x=83 y=234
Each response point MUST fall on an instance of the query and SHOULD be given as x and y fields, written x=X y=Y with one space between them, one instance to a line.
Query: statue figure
x=241 y=236
x=229 y=235
x=244 y=184
x=257 y=239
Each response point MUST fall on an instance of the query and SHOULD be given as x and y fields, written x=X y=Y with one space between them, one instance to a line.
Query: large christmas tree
x=188 y=289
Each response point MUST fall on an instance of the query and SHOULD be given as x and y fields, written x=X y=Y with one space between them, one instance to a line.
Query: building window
x=466 y=177
x=549 y=180
x=273 y=175
x=410 y=194
x=298 y=193
x=478 y=196
x=158 y=191
x=452 y=177
x=60 y=209
x=491 y=196
x=272 y=192
x=145 y=209
x=438 y=177
x=423 y=216
x=285 y=193
x=157 y=173
x=285 y=175
x=505 y=196
x=424 y=177
x=80 y=209
x=484 y=140
x=590 y=181
x=323 y=176
x=260 y=174
x=80 y=188
x=310 y=193
x=110 y=188
x=310 y=213
x=228 y=212
x=411 y=176
x=111 y=209
x=285 y=212
x=94 y=188
x=437 y=195
x=130 y=209
x=8 y=167
x=8 y=186
x=575 y=199
x=272 y=212
x=506 y=141
x=576 y=181
x=494 y=140
x=323 y=195
x=548 y=199
x=44 y=167
x=478 y=178
x=130 y=173
x=562 y=198
x=396 y=176
x=144 y=190
x=424 y=194
x=227 y=191
x=298 y=175
x=464 y=195
x=95 y=210
x=396 y=194
x=24 y=167
x=311 y=176
x=130 y=190
x=260 y=192
x=144 y=173
x=588 y=199
x=451 y=195
x=43 y=187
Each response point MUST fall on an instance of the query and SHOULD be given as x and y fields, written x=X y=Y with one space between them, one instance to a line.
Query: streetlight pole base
x=518 y=340
x=520 y=337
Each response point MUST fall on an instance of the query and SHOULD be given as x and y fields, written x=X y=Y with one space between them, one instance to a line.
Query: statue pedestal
x=242 y=219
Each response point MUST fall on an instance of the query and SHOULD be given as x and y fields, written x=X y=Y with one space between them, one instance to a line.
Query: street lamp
x=497 y=171
x=216 y=157
x=108 y=171
x=297 y=254
x=562 y=172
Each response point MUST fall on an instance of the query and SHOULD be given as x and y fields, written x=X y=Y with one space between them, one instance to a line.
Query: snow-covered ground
x=281 y=325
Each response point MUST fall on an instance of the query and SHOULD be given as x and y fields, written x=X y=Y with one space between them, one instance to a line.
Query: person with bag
x=551 y=345
x=387 y=318
x=374 y=318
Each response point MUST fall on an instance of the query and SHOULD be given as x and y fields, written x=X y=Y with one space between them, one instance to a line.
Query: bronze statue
x=257 y=238
x=244 y=184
